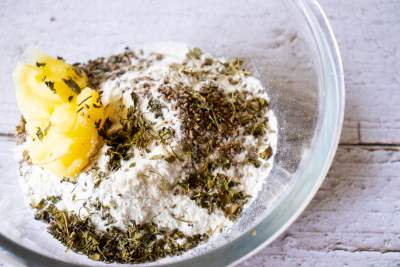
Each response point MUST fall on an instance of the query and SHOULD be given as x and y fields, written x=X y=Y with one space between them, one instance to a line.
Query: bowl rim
x=320 y=26
x=314 y=8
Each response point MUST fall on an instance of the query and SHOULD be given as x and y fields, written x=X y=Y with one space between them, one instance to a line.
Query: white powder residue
x=138 y=191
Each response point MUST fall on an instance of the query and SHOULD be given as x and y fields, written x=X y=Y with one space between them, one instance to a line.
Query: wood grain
x=367 y=32
x=354 y=219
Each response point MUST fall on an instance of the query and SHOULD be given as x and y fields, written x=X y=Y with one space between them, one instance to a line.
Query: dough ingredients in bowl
x=143 y=154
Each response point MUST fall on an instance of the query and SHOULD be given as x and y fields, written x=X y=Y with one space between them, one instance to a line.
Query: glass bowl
x=287 y=43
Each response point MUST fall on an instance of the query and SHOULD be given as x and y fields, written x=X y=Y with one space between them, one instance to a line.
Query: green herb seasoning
x=155 y=106
x=213 y=191
x=136 y=131
x=50 y=85
x=39 y=133
x=209 y=118
x=39 y=64
x=139 y=243
x=72 y=85
x=195 y=53
x=199 y=120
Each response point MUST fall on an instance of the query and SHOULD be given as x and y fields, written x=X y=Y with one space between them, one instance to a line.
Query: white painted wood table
x=355 y=218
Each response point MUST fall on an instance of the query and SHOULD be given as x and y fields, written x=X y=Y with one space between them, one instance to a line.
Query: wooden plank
x=355 y=216
x=367 y=31
x=333 y=259
x=352 y=221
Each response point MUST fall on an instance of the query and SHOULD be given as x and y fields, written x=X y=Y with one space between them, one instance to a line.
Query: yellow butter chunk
x=62 y=114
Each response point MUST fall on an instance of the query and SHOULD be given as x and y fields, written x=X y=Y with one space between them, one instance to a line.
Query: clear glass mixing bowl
x=287 y=43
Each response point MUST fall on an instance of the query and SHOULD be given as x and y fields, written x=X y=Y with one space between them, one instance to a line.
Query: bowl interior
x=274 y=37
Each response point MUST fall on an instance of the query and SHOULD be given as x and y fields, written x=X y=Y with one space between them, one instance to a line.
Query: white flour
x=132 y=196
